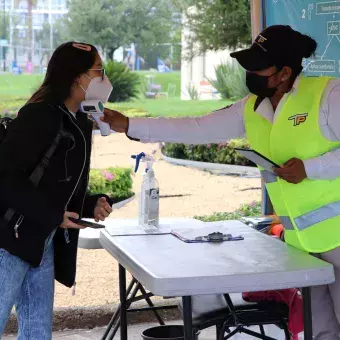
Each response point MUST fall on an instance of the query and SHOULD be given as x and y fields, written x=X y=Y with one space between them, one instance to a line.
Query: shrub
x=211 y=153
x=125 y=83
x=143 y=87
x=192 y=91
x=230 y=81
x=114 y=182
x=10 y=107
x=129 y=111
x=246 y=210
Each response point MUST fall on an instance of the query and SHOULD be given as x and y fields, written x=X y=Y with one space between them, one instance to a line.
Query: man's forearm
x=218 y=127
x=324 y=167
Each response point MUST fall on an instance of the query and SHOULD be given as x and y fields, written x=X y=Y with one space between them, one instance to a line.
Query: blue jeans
x=31 y=290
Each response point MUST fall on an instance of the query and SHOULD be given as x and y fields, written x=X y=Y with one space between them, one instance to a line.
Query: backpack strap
x=38 y=172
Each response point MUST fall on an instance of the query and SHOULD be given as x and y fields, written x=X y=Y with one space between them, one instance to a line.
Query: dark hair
x=303 y=46
x=68 y=61
x=307 y=45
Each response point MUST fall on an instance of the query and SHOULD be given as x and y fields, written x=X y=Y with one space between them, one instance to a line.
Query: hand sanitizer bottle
x=149 y=194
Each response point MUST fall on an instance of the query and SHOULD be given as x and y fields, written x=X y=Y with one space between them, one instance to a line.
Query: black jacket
x=63 y=186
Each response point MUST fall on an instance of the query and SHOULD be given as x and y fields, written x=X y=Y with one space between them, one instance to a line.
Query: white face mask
x=99 y=88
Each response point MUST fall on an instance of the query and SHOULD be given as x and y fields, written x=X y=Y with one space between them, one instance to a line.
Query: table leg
x=149 y=302
x=123 y=304
x=115 y=318
x=307 y=313
x=187 y=318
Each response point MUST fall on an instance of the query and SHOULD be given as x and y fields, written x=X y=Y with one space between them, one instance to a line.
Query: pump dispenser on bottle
x=149 y=194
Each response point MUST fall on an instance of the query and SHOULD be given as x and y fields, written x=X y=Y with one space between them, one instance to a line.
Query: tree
x=43 y=38
x=4 y=34
x=4 y=25
x=147 y=21
x=169 y=51
x=216 y=24
x=150 y=25
x=95 y=22
x=30 y=5
x=114 y=23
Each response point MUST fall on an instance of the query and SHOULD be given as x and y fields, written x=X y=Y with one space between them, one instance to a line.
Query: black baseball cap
x=273 y=46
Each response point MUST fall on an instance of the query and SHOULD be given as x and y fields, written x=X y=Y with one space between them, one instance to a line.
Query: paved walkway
x=136 y=330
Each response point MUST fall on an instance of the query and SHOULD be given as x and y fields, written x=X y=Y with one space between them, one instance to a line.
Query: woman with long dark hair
x=39 y=242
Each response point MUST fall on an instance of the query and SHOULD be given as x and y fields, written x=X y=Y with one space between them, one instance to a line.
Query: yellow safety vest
x=310 y=210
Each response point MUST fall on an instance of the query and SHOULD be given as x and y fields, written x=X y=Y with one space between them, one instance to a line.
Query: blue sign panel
x=318 y=19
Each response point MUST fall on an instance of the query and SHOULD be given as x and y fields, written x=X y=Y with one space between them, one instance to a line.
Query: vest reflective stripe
x=268 y=176
x=286 y=222
x=316 y=216
x=310 y=210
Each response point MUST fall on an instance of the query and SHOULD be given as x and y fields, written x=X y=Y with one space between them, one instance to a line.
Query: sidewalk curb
x=225 y=168
x=91 y=317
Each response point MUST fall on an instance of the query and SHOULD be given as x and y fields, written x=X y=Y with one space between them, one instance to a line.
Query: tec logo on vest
x=299 y=118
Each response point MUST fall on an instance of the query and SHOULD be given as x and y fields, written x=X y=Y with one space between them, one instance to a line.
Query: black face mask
x=258 y=85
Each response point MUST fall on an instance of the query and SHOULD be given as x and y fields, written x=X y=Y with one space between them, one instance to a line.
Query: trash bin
x=168 y=332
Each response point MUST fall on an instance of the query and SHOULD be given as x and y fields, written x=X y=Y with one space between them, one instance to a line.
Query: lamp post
x=257 y=24
x=4 y=33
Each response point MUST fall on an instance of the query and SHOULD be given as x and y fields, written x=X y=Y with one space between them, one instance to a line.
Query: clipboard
x=205 y=234
x=258 y=159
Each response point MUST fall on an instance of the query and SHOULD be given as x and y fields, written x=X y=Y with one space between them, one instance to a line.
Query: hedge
x=246 y=210
x=114 y=182
x=211 y=153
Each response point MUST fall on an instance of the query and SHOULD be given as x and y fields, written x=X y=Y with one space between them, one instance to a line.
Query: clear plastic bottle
x=149 y=200
x=149 y=194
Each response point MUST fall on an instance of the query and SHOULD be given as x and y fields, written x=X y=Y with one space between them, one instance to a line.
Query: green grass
x=14 y=86
x=15 y=90
x=172 y=107
x=164 y=79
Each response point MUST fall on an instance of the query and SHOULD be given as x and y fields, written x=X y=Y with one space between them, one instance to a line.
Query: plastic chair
x=153 y=90
x=171 y=92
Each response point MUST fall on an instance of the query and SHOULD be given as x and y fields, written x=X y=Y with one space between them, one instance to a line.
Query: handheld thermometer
x=96 y=109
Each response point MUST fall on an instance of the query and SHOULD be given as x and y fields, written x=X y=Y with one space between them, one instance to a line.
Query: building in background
x=195 y=73
x=31 y=31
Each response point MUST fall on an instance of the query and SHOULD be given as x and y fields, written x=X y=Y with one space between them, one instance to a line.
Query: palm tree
x=30 y=5
x=15 y=36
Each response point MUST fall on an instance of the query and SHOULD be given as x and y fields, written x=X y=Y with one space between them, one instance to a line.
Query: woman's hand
x=117 y=120
x=102 y=210
x=292 y=171
x=67 y=224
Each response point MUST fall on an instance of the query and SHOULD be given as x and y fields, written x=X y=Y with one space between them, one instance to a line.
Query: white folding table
x=168 y=267
x=89 y=239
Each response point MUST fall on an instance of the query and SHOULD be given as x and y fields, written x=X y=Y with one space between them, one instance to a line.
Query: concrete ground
x=134 y=333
